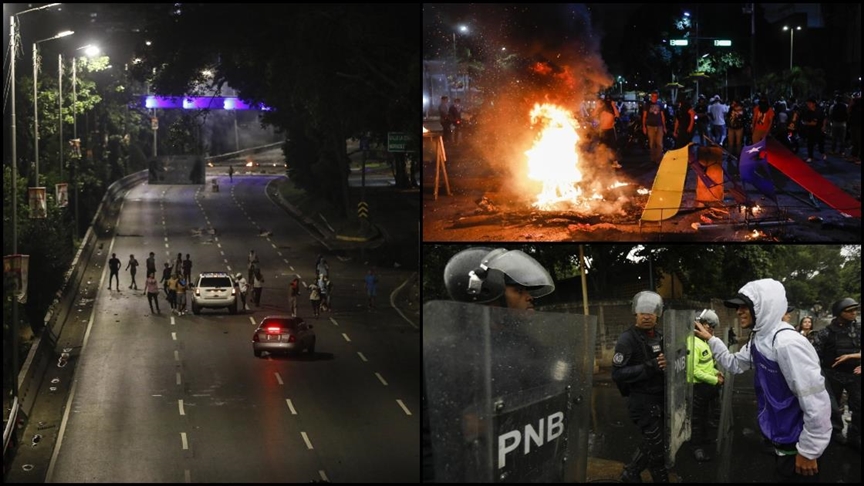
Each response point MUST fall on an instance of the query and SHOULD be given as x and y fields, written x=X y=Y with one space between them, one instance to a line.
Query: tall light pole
x=13 y=47
x=35 y=96
x=791 y=41
x=91 y=50
x=463 y=29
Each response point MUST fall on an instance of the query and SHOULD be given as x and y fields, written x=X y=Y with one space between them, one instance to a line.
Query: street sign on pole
x=396 y=141
x=679 y=42
x=723 y=43
x=363 y=210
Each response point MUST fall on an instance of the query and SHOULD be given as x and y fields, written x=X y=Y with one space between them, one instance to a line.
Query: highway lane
x=163 y=398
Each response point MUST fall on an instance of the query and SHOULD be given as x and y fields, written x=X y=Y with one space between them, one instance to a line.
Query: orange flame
x=553 y=159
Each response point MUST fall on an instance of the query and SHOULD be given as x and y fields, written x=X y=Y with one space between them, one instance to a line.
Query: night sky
x=607 y=29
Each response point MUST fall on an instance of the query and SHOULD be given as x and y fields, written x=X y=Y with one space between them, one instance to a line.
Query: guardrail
x=41 y=352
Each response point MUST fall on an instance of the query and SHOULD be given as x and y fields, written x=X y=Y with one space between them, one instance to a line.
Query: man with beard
x=639 y=367
x=792 y=403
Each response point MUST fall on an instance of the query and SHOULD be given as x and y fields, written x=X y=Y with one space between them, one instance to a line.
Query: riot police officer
x=706 y=380
x=639 y=366
x=508 y=279
x=839 y=348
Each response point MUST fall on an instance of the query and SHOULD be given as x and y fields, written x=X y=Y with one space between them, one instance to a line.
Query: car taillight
x=274 y=330
x=255 y=338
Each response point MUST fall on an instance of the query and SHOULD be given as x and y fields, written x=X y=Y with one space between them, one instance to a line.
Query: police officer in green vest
x=706 y=380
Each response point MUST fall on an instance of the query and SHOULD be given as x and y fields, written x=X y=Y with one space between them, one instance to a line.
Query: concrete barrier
x=42 y=351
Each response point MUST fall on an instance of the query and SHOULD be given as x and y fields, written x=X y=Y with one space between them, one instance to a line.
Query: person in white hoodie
x=794 y=409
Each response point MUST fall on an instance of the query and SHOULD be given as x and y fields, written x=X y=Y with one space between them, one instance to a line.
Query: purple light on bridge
x=198 y=103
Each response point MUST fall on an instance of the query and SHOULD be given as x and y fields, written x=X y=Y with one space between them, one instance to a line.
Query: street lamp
x=791 y=41
x=35 y=95
x=90 y=51
x=13 y=48
x=60 y=98
x=462 y=29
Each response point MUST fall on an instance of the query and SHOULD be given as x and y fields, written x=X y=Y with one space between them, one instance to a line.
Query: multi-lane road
x=167 y=398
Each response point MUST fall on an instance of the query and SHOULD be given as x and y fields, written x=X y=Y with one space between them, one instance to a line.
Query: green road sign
x=396 y=141
x=679 y=42
x=723 y=43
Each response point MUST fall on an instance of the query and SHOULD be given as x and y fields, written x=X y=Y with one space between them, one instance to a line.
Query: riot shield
x=677 y=327
x=508 y=393
x=724 y=428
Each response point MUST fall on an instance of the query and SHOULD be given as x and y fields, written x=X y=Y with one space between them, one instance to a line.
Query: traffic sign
x=154 y=123
x=396 y=141
x=723 y=42
x=363 y=210
x=679 y=42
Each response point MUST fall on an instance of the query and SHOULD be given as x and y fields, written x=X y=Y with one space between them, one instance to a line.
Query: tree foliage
x=328 y=72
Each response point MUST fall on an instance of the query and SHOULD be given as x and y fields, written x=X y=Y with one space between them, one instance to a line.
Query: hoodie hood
x=769 y=303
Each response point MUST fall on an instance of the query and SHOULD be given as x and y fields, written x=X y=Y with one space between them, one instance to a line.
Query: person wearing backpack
x=838 y=115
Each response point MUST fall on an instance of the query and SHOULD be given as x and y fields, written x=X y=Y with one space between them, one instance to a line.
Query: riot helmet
x=648 y=302
x=708 y=317
x=481 y=274
x=838 y=306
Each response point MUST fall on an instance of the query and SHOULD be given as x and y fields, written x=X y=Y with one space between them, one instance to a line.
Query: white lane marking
x=334 y=322
x=166 y=239
x=381 y=379
x=407 y=412
x=306 y=440
x=179 y=380
x=219 y=245
x=273 y=244
x=225 y=260
x=292 y=269
x=362 y=357
x=173 y=336
x=323 y=476
x=285 y=260
x=185 y=442
x=279 y=378
x=172 y=320
x=221 y=252
x=280 y=254
x=346 y=337
x=304 y=284
x=290 y=406
x=229 y=268
x=215 y=238
x=180 y=403
x=166 y=245
x=176 y=355
x=252 y=319
x=187 y=476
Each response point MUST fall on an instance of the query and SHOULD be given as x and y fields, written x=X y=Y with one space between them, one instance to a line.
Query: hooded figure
x=791 y=398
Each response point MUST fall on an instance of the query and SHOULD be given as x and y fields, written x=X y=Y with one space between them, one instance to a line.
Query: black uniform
x=833 y=341
x=640 y=378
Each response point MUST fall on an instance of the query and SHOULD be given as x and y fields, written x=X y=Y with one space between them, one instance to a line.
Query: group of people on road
x=450 y=116
x=798 y=381
x=176 y=279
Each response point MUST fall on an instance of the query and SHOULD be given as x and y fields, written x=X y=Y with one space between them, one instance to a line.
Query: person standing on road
x=639 y=371
x=114 y=270
x=181 y=286
x=371 y=287
x=322 y=288
x=257 y=287
x=293 y=294
x=793 y=405
x=151 y=264
x=839 y=348
x=444 y=118
x=606 y=114
x=763 y=120
x=315 y=298
x=706 y=380
x=231 y=173
x=242 y=289
x=654 y=127
x=327 y=295
x=132 y=266
x=187 y=269
x=166 y=275
x=172 y=291
x=321 y=267
x=151 y=288
x=685 y=121
x=718 y=111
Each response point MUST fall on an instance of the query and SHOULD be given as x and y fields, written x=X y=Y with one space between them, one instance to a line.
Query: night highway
x=166 y=398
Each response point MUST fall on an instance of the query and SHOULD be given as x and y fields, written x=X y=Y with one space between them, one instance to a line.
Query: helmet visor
x=520 y=269
x=647 y=302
